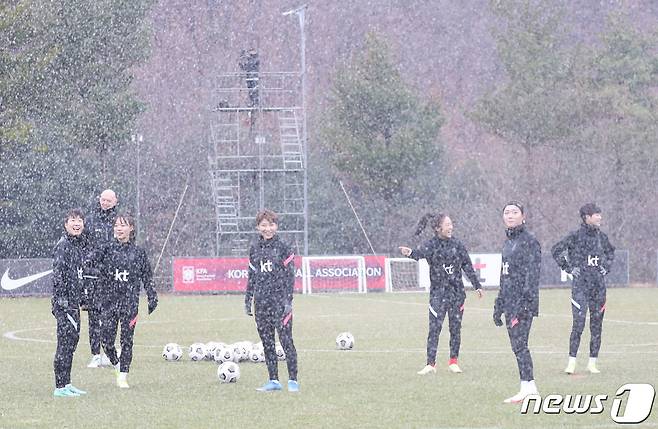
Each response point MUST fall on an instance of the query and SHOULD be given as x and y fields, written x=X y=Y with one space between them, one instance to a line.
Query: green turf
x=375 y=385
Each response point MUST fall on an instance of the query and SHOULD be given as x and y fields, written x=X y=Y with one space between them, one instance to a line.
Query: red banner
x=218 y=274
x=375 y=278
x=231 y=274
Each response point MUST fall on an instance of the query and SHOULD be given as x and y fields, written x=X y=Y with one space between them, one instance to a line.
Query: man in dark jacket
x=270 y=288
x=587 y=255
x=99 y=230
x=67 y=276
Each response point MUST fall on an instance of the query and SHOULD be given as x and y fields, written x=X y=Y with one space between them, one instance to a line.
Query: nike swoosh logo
x=10 y=284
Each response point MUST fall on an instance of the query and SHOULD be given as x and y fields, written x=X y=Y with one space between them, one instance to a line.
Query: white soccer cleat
x=95 y=362
x=591 y=366
x=122 y=380
x=453 y=367
x=428 y=369
x=571 y=366
x=527 y=388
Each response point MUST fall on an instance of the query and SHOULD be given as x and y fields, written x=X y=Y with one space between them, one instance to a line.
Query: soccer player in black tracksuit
x=99 y=226
x=587 y=255
x=67 y=279
x=518 y=298
x=270 y=288
x=447 y=258
x=126 y=269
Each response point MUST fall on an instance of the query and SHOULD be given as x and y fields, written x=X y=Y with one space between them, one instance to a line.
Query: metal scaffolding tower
x=258 y=158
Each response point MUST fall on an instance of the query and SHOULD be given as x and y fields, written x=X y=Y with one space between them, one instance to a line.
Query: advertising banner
x=218 y=274
x=23 y=277
x=230 y=274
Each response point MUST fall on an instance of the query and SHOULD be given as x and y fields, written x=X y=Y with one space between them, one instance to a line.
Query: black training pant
x=270 y=318
x=584 y=297
x=68 y=334
x=91 y=302
x=518 y=337
x=95 y=330
x=113 y=316
x=438 y=308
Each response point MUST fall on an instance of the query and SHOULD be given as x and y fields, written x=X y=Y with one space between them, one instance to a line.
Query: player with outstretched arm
x=270 y=292
x=447 y=258
x=518 y=297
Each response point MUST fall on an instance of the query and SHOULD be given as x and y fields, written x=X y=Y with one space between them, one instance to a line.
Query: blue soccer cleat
x=270 y=386
x=63 y=392
x=293 y=386
x=74 y=389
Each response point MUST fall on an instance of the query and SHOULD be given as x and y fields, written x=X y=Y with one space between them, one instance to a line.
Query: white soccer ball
x=223 y=355
x=210 y=349
x=197 y=352
x=237 y=352
x=280 y=353
x=257 y=355
x=245 y=350
x=228 y=372
x=172 y=352
x=345 y=341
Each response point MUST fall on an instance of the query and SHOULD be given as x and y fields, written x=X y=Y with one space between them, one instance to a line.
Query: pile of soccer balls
x=227 y=356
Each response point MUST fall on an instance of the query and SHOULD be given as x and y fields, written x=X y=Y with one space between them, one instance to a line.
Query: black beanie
x=588 y=210
x=516 y=204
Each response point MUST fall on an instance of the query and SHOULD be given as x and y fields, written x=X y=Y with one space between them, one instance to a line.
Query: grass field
x=373 y=386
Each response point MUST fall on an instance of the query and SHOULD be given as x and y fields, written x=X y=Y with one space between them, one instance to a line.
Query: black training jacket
x=271 y=271
x=68 y=257
x=587 y=248
x=519 y=274
x=447 y=258
x=125 y=269
x=100 y=224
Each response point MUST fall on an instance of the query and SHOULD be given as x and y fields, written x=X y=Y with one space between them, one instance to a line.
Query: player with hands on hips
x=447 y=258
x=269 y=298
x=587 y=255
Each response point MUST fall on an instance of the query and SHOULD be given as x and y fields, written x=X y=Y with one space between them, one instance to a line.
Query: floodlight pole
x=300 y=12
x=138 y=139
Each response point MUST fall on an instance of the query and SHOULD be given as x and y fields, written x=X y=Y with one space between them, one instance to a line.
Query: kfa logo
x=592 y=261
x=639 y=403
x=266 y=267
x=449 y=269
x=506 y=269
x=121 y=276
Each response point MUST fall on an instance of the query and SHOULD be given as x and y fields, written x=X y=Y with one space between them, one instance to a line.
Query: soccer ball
x=172 y=352
x=197 y=352
x=257 y=355
x=344 y=341
x=210 y=349
x=280 y=353
x=237 y=351
x=245 y=349
x=223 y=355
x=228 y=372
